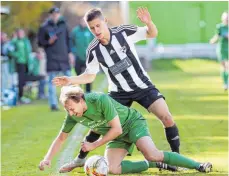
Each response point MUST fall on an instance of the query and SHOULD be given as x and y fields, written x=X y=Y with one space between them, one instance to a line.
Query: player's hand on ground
x=61 y=81
x=144 y=15
x=87 y=146
x=44 y=163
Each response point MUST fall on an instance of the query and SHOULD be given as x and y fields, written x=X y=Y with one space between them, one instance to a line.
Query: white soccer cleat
x=68 y=167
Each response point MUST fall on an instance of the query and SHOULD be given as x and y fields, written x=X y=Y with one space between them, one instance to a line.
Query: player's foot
x=68 y=167
x=205 y=167
x=225 y=87
x=164 y=166
x=54 y=108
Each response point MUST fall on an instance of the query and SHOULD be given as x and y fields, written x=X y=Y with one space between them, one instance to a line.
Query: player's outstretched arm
x=54 y=148
x=74 y=80
x=145 y=17
x=214 y=39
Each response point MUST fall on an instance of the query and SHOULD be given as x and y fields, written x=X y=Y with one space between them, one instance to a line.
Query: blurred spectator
x=53 y=36
x=23 y=53
x=81 y=37
x=39 y=68
x=8 y=62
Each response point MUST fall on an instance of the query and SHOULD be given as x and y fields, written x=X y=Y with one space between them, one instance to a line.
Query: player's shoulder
x=92 y=45
x=93 y=96
x=96 y=97
x=123 y=27
x=218 y=26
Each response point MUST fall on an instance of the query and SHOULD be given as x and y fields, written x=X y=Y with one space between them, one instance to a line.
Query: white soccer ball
x=96 y=166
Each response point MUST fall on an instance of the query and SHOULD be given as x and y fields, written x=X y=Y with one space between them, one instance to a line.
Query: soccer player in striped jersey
x=114 y=51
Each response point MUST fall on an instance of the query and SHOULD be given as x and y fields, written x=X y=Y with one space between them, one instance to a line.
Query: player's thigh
x=160 y=109
x=148 y=96
x=224 y=64
x=148 y=149
x=122 y=99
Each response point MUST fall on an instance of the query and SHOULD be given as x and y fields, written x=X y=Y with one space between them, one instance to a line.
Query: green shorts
x=137 y=130
x=222 y=55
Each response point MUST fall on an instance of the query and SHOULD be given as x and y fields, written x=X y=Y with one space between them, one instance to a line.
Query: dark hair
x=92 y=14
x=54 y=9
x=76 y=97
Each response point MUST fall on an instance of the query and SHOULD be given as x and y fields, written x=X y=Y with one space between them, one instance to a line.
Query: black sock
x=91 y=137
x=172 y=135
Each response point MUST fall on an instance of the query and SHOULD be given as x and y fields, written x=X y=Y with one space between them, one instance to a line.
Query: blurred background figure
x=40 y=55
x=21 y=53
x=37 y=67
x=8 y=62
x=221 y=37
x=8 y=76
x=53 y=36
x=81 y=37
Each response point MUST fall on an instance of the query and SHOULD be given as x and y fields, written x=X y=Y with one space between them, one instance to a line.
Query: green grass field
x=193 y=91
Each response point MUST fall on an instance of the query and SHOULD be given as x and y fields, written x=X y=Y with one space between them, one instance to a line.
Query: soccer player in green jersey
x=222 y=48
x=120 y=126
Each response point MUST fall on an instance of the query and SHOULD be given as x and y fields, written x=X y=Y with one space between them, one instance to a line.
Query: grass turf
x=193 y=93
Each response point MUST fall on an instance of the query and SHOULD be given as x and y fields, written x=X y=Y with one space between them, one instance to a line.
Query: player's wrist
x=69 y=82
x=97 y=143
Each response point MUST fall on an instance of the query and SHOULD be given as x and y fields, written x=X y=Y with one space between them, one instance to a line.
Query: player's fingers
x=141 y=10
x=41 y=167
x=138 y=12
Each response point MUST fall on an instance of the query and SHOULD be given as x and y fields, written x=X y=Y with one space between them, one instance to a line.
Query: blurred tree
x=25 y=14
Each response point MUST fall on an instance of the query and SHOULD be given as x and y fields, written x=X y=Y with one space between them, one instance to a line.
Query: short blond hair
x=71 y=91
x=224 y=15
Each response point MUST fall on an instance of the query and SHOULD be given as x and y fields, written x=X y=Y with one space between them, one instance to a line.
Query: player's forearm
x=152 y=30
x=214 y=39
x=110 y=135
x=82 y=79
x=54 y=148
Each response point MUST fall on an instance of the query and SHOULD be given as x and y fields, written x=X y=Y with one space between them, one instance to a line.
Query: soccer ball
x=96 y=166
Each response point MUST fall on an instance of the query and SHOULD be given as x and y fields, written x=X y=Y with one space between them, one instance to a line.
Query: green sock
x=176 y=159
x=224 y=75
x=134 y=167
x=152 y=164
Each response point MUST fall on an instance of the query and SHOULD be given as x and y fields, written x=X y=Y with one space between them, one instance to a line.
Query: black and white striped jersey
x=119 y=59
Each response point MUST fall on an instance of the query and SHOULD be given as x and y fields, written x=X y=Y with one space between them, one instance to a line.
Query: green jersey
x=101 y=109
x=22 y=50
x=222 y=31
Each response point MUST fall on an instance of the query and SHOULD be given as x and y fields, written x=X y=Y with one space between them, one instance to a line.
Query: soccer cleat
x=161 y=166
x=68 y=167
x=205 y=167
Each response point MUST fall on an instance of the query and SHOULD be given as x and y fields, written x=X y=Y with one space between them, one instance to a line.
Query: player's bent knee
x=156 y=156
x=115 y=170
x=167 y=119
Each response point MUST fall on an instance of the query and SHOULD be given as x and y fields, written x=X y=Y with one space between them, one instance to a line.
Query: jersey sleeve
x=92 y=64
x=135 y=33
x=218 y=29
x=68 y=124
x=107 y=108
